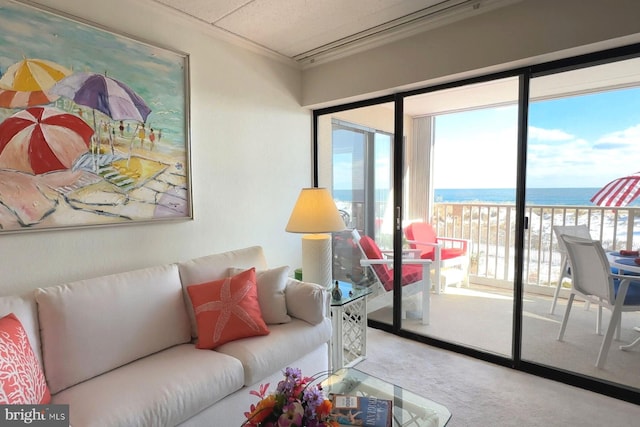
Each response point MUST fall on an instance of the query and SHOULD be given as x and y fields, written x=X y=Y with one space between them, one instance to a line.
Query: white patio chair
x=415 y=276
x=593 y=280
x=565 y=268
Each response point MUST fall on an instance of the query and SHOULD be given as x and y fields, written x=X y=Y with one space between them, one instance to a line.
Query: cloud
x=610 y=146
x=628 y=136
x=549 y=134
x=483 y=153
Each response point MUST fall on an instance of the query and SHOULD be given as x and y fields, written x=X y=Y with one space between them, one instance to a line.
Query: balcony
x=481 y=315
x=492 y=227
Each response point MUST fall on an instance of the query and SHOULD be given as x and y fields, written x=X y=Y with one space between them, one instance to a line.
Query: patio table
x=625 y=263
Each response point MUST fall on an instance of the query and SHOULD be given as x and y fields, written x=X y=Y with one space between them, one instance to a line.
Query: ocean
x=535 y=196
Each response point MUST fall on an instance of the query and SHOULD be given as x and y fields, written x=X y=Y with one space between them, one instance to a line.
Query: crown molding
x=439 y=15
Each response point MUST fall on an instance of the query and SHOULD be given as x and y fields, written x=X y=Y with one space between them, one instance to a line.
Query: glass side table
x=349 y=322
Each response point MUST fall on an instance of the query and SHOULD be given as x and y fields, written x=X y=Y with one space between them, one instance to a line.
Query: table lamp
x=315 y=214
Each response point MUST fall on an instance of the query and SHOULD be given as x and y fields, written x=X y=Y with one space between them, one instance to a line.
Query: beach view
x=457 y=156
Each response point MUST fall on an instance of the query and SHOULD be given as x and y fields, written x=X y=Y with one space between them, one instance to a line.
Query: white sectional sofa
x=120 y=349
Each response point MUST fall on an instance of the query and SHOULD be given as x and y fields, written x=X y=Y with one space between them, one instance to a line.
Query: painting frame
x=94 y=124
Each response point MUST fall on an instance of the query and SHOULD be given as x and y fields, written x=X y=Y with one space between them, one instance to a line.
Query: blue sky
x=581 y=141
x=578 y=141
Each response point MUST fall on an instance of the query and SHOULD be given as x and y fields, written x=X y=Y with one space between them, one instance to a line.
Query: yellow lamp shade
x=315 y=212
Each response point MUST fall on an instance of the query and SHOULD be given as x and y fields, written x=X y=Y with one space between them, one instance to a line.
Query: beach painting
x=94 y=125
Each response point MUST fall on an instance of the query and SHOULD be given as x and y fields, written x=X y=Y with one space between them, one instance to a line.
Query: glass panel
x=460 y=170
x=383 y=193
x=348 y=147
x=583 y=133
x=355 y=162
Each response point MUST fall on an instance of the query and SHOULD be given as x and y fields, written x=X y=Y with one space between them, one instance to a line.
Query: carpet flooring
x=482 y=394
x=481 y=318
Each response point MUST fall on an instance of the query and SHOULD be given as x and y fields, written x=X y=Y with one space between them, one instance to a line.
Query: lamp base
x=316 y=259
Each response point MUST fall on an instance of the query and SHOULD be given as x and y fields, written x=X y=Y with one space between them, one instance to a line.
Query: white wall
x=250 y=152
x=524 y=33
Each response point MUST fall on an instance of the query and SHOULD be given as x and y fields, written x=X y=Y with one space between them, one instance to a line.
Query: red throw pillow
x=227 y=309
x=21 y=376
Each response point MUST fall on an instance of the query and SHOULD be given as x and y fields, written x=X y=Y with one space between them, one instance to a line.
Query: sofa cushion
x=152 y=392
x=214 y=267
x=307 y=301
x=21 y=377
x=24 y=307
x=227 y=309
x=262 y=356
x=271 y=285
x=92 y=326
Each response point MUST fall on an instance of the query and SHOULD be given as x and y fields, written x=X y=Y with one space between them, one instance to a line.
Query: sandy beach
x=126 y=182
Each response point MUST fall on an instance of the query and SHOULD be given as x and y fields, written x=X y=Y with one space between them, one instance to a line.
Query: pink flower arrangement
x=297 y=402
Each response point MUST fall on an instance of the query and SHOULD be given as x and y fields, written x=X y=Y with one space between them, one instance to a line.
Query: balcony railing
x=491 y=229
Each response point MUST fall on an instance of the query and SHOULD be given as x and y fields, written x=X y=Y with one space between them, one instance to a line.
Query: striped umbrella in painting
x=619 y=192
x=27 y=83
x=42 y=139
x=102 y=93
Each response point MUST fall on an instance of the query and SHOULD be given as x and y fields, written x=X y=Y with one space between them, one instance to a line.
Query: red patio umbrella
x=619 y=192
x=42 y=139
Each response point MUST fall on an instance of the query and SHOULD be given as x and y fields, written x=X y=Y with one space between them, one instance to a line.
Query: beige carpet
x=481 y=318
x=482 y=394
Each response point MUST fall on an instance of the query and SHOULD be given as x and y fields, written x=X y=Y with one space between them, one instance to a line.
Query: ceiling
x=304 y=30
x=308 y=32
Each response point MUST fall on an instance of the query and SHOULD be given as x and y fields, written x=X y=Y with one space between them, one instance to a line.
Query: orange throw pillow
x=227 y=309
x=21 y=376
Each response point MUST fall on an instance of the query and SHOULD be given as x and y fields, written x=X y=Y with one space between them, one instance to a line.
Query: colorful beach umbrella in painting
x=42 y=139
x=27 y=83
x=102 y=93
x=619 y=192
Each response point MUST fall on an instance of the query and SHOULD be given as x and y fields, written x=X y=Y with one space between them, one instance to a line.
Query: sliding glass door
x=355 y=161
x=578 y=141
x=484 y=171
x=460 y=170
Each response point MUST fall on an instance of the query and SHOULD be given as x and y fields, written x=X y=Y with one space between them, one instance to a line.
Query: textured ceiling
x=297 y=28
x=303 y=30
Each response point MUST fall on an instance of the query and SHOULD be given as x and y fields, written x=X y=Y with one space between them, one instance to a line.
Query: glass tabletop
x=409 y=409
x=350 y=292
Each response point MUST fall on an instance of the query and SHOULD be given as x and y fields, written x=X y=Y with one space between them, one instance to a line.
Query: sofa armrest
x=306 y=301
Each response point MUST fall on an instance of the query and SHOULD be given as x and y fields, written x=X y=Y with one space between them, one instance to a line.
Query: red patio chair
x=421 y=236
x=415 y=276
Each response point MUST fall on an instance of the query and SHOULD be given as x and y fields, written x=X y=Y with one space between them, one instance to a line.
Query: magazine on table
x=367 y=411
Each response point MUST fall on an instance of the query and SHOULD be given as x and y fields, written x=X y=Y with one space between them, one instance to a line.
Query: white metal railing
x=491 y=229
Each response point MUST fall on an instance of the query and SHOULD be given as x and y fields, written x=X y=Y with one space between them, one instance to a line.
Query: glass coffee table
x=409 y=409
